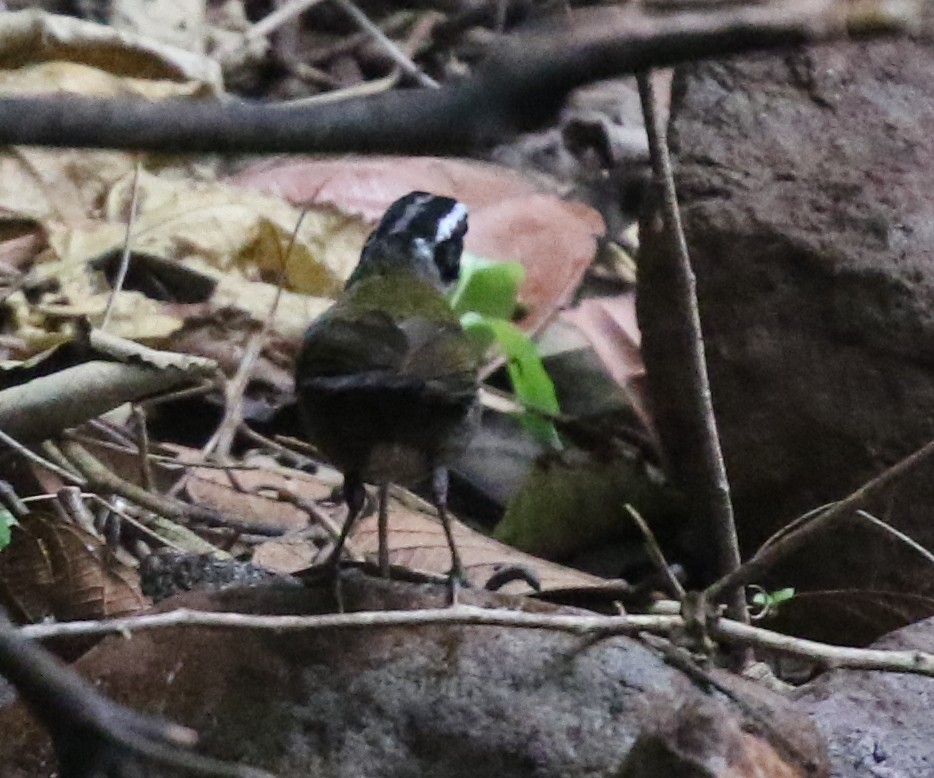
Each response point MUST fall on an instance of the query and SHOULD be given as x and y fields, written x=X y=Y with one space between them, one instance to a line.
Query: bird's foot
x=337 y=583
x=508 y=573
x=457 y=580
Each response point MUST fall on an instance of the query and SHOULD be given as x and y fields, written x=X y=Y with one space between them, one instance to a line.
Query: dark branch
x=92 y=735
x=519 y=87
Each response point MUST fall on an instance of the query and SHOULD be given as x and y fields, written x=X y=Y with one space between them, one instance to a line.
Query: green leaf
x=773 y=598
x=7 y=522
x=487 y=287
x=530 y=381
x=572 y=500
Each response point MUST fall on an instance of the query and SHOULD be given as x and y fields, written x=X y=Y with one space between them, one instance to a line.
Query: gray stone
x=805 y=185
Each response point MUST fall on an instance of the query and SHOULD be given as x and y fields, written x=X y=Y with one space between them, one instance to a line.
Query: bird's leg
x=355 y=497
x=439 y=490
x=383 y=529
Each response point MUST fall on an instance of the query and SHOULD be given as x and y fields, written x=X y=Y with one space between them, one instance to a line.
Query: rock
x=698 y=740
x=446 y=701
x=878 y=725
x=805 y=186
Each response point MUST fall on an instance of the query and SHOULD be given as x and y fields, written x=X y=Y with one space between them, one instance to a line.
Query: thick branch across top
x=519 y=87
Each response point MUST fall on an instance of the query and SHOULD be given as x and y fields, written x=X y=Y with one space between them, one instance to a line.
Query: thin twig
x=268 y=24
x=163 y=531
x=145 y=468
x=125 y=255
x=347 y=44
x=117 y=434
x=395 y=53
x=180 y=394
x=222 y=440
x=655 y=554
x=50 y=450
x=715 y=500
x=12 y=502
x=791 y=526
x=297 y=460
x=767 y=557
x=33 y=457
x=103 y=478
x=72 y=500
x=898 y=534
x=726 y=630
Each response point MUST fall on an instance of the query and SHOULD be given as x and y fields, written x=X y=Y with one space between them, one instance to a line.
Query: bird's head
x=420 y=233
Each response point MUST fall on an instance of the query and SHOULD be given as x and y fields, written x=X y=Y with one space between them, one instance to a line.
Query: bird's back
x=387 y=381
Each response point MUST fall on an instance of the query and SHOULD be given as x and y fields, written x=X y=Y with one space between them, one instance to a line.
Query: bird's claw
x=508 y=573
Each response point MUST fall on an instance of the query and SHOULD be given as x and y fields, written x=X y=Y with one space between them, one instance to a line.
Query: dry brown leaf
x=285 y=556
x=303 y=272
x=254 y=493
x=89 y=582
x=226 y=233
x=222 y=334
x=179 y=23
x=417 y=541
x=64 y=185
x=62 y=190
x=55 y=569
x=212 y=488
x=26 y=576
x=31 y=36
x=555 y=241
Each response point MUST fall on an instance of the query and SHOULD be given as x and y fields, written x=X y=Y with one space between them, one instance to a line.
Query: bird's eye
x=448 y=259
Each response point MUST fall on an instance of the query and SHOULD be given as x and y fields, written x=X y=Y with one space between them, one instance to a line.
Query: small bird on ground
x=386 y=378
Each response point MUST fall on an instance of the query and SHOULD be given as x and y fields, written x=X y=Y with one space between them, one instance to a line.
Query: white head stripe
x=449 y=223
x=412 y=210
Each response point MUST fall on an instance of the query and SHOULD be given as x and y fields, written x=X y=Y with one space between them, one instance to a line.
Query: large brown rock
x=805 y=182
x=430 y=702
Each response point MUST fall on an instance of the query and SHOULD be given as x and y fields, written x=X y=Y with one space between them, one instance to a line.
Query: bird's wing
x=372 y=350
x=340 y=344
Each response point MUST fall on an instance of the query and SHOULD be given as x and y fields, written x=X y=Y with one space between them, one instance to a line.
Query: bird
x=386 y=379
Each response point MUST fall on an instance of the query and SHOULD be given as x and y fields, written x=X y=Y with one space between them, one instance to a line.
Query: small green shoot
x=7 y=522
x=767 y=603
x=485 y=296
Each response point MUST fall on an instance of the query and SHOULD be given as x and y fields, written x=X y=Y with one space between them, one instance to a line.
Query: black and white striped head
x=420 y=232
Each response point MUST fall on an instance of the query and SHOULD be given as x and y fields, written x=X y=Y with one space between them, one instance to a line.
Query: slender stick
x=715 y=500
x=768 y=556
x=125 y=255
x=726 y=630
x=267 y=25
x=33 y=457
x=222 y=440
x=396 y=54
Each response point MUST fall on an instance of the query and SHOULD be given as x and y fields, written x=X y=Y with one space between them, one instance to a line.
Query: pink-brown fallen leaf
x=610 y=325
x=364 y=186
x=511 y=217
x=555 y=240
